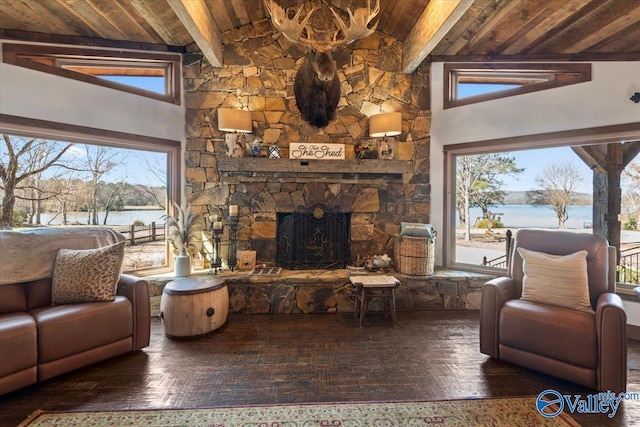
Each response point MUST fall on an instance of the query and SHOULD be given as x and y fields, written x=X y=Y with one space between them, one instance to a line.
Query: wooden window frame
x=27 y=127
x=534 y=76
x=26 y=55
x=580 y=137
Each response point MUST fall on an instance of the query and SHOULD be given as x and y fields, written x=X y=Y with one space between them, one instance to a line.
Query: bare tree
x=100 y=161
x=112 y=198
x=15 y=167
x=557 y=184
x=478 y=183
x=157 y=171
x=631 y=175
x=65 y=193
x=33 y=187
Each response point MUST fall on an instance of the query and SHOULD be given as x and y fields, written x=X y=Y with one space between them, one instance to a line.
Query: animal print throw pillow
x=87 y=275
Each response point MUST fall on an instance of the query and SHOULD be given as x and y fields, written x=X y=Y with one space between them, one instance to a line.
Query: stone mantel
x=355 y=166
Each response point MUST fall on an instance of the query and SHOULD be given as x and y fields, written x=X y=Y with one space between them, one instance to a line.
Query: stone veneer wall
x=318 y=291
x=258 y=74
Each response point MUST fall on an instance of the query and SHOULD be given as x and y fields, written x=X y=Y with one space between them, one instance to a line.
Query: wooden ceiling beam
x=616 y=28
x=595 y=156
x=86 y=41
x=592 y=156
x=197 y=19
x=591 y=23
x=468 y=26
x=630 y=150
x=554 y=16
x=434 y=23
x=164 y=24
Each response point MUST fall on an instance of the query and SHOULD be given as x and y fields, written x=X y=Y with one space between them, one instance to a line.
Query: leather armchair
x=586 y=348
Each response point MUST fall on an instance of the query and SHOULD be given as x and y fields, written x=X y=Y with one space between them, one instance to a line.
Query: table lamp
x=237 y=123
x=383 y=126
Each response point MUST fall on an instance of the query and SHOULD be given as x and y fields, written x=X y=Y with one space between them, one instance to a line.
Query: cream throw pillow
x=87 y=275
x=556 y=280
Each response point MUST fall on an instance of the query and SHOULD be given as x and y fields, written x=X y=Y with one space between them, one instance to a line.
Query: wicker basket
x=415 y=256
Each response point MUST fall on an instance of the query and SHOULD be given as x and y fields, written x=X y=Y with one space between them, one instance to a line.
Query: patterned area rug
x=464 y=413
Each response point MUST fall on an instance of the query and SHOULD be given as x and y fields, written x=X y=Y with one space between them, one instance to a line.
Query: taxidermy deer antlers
x=316 y=85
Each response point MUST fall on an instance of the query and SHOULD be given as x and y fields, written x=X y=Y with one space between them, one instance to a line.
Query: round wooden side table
x=191 y=307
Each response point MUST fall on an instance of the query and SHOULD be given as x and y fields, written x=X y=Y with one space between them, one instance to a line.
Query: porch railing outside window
x=627 y=271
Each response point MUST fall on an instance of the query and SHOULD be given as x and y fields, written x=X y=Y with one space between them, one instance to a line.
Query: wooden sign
x=303 y=150
x=246 y=260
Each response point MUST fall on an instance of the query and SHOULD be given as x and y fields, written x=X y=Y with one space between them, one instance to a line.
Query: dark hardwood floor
x=276 y=359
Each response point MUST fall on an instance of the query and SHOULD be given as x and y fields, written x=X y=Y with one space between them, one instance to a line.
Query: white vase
x=183 y=265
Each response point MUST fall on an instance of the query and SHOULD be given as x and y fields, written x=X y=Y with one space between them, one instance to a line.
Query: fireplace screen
x=310 y=240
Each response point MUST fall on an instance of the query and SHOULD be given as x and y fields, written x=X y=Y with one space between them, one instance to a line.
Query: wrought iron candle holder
x=216 y=261
x=232 y=260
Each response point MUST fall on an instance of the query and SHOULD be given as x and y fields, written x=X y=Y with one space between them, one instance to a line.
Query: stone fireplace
x=314 y=239
x=257 y=75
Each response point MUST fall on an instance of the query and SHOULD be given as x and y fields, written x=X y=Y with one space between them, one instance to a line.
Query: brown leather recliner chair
x=586 y=348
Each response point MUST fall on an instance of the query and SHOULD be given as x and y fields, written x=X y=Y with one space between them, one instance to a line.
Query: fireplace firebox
x=314 y=239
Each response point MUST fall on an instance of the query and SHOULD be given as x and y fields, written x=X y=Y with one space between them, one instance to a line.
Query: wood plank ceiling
x=522 y=29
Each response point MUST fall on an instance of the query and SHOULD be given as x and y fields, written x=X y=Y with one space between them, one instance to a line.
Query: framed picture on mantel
x=303 y=150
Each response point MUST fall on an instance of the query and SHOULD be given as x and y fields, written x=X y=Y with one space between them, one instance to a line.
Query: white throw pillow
x=556 y=280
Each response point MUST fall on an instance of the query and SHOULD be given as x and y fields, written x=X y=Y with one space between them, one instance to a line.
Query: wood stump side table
x=191 y=307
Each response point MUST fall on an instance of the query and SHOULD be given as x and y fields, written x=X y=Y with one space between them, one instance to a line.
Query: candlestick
x=233 y=210
x=233 y=242
x=216 y=261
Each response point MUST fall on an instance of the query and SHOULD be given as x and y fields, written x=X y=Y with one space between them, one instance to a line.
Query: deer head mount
x=316 y=85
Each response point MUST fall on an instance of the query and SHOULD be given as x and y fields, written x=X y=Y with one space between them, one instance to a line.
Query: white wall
x=33 y=94
x=632 y=309
x=603 y=101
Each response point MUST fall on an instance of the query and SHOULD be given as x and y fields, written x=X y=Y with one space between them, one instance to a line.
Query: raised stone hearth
x=329 y=291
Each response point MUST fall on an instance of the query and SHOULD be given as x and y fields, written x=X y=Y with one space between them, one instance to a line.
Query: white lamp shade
x=232 y=120
x=385 y=124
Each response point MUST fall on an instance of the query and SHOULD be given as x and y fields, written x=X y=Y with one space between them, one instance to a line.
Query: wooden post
x=600 y=204
x=132 y=232
x=153 y=231
x=607 y=162
x=508 y=247
x=615 y=166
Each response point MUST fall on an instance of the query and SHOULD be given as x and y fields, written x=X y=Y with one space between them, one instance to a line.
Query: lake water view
x=516 y=216
x=519 y=216
x=115 y=217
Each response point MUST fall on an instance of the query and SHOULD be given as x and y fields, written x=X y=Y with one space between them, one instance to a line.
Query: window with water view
x=544 y=188
x=61 y=183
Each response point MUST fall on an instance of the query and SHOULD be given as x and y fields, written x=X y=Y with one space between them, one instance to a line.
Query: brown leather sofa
x=586 y=348
x=39 y=340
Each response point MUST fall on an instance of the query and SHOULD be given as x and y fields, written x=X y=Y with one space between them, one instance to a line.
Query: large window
x=118 y=180
x=100 y=175
x=497 y=192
